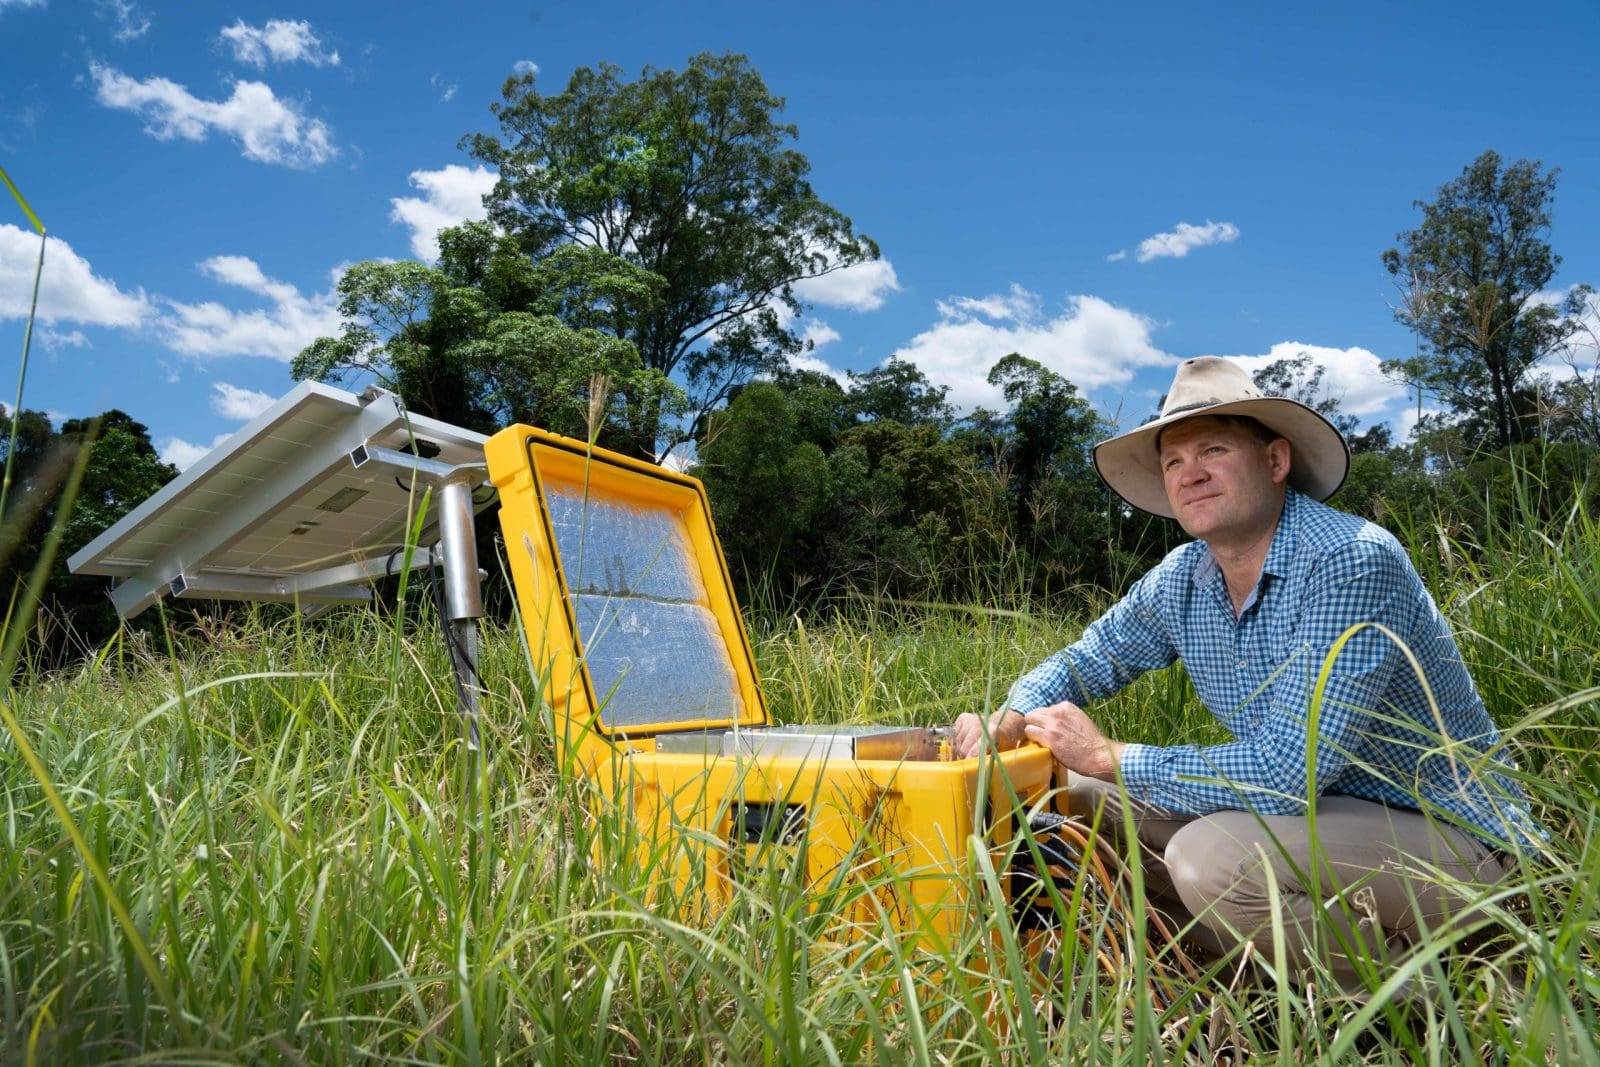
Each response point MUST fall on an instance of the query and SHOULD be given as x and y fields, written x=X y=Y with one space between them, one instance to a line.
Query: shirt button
x=1241 y=664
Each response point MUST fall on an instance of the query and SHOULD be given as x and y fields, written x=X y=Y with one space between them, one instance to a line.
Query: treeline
x=640 y=282
x=874 y=487
x=67 y=485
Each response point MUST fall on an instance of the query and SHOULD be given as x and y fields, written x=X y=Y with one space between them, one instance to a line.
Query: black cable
x=453 y=644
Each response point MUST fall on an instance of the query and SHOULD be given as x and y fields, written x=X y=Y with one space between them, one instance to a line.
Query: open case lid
x=623 y=588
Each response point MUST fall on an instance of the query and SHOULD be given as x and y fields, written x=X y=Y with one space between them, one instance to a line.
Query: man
x=1273 y=582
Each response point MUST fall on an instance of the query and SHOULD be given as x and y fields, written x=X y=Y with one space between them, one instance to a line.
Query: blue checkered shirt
x=1378 y=736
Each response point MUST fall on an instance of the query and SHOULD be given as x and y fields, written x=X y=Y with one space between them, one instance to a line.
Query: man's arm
x=1116 y=648
x=1128 y=640
x=1268 y=770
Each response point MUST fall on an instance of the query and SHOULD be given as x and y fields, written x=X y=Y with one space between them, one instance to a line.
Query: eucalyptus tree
x=1475 y=277
x=692 y=176
x=489 y=336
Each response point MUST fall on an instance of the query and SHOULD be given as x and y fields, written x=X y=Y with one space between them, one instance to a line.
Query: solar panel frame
x=247 y=521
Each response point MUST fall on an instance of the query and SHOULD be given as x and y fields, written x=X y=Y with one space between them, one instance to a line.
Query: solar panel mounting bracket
x=300 y=506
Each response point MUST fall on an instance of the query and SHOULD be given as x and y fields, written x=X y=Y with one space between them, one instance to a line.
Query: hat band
x=1213 y=402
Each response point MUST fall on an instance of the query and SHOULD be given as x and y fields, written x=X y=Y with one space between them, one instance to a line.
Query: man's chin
x=1195 y=522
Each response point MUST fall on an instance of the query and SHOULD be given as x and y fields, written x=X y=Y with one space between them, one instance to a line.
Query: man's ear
x=1280 y=459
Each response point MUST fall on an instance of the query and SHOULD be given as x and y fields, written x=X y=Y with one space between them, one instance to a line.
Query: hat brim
x=1320 y=461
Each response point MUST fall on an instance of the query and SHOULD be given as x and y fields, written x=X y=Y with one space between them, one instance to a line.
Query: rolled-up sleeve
x=1128 y=640
x=1268 y=771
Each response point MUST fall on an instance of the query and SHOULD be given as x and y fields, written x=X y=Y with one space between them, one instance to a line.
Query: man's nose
x=1190 y=472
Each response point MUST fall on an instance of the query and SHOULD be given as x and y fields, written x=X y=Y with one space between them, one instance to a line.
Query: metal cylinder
x=462 y=593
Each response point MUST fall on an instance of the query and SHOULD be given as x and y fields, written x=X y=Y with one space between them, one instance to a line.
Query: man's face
x=1222 y=483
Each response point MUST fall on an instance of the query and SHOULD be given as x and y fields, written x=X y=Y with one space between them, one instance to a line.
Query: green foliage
x=690 y=176
x=769 y=482
x=1541 y=483
x=917 y=503
x=322 y=873
x=490 y=337
x=900 y=515
x=820 y=405
x=1472 y=276
x=898 y=391
x=1060 y=510
x=122 y=470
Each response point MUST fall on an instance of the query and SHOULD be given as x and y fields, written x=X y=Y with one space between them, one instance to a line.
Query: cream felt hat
x=1211 y=385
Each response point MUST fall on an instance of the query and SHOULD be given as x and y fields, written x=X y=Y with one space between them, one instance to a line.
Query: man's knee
x=1086 y=796
x=1217 y=867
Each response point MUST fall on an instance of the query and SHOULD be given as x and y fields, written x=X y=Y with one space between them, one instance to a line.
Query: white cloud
x=1581 y=353
x=128 y=22
x=1018 y=305
x=447 y=93
x=1353 y=375
x=55 y=340
x=1091 y=343
x=450 y=196
x=232 y=402
x=1178 y=242
x=69 y=291
x=20 y=4
x=1406 y=420
x=805 y=361
x=819 y=333
x=293 y=321
x=525 y=66
x=279 y=41
x=184 y=454
x=1118 y=256
x=269 y=130
x=860 y=287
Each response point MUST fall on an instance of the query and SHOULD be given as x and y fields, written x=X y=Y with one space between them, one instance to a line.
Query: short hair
x=1260 y=431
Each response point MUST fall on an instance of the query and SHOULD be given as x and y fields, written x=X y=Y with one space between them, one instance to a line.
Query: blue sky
x=1030 y=171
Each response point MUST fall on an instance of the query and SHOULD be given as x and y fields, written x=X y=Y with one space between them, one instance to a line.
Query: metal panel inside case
x=894 y=743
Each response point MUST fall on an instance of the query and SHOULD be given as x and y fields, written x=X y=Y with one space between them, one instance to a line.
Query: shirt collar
x=1278 y=553
x=1284 y=538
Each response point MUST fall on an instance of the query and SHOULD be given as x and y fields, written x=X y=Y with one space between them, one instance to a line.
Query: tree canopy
x=489 y=336
x=690 y=176
x=1473 y=277
x=120 y=472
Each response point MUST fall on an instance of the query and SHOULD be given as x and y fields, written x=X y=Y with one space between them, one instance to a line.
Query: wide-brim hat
x=1210 y=385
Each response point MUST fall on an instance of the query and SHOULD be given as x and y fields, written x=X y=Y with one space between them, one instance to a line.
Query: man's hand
x=1074 y=740
x=967 y=732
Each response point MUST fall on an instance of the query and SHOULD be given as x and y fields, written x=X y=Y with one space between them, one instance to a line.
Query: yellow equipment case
x=625 y=597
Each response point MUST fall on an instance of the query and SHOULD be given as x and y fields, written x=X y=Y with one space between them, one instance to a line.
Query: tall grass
x=317 y=869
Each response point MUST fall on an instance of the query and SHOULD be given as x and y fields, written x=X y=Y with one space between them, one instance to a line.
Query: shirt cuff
x=1143 y=770
x=1022 y=701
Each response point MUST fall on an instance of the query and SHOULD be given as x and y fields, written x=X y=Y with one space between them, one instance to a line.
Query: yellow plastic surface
x=862 y=818
x=525 y=463
x=921 y=819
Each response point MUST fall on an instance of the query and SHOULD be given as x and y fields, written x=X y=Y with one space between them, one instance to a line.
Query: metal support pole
x=463 y=596
x=458 y=555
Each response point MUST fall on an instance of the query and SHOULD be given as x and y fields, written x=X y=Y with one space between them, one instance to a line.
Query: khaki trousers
x=1385 y=874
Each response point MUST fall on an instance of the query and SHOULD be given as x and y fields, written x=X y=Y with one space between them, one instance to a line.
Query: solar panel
x=623 y=589
x=307 y=503
x=651 y=642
